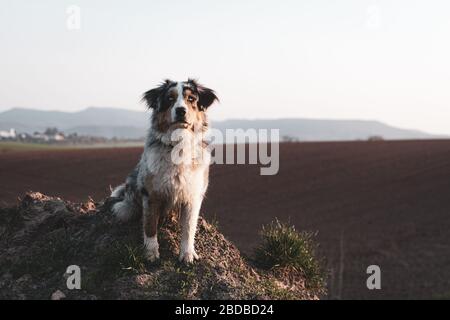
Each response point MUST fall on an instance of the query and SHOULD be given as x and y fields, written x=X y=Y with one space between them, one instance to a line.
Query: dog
x=172 y=174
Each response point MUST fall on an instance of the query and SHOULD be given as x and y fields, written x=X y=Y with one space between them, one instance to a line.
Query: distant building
x=11 y=134
x=49 y=135
x=375 y=138
x=58 y=137
x=38 y=136
x=287 y=138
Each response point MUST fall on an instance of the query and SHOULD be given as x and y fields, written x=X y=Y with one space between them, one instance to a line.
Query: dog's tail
x=130 y=204
x=119 y=191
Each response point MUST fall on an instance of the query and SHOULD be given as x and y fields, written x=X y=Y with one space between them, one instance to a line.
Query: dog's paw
x=151 y=248
x=152 y=254
x=188 y=256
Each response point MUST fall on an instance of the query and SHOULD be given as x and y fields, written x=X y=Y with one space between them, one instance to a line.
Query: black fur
x=152 y=97
x=206 y=96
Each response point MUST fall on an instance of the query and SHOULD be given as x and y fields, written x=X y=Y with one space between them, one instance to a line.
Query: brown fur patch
x=161 y=120
x=156 y=207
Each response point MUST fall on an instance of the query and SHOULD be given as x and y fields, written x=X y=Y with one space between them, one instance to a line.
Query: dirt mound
x=42 y=236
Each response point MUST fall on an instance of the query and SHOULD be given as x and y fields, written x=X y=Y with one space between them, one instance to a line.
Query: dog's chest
x=179 y=182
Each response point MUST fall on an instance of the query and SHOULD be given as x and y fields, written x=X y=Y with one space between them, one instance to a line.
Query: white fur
x=180 y=103
x=187 y=250
x=179 y=182
x=118 y=191
x=151 y=247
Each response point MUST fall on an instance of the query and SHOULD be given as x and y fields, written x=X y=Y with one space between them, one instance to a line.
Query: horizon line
x=238 y=119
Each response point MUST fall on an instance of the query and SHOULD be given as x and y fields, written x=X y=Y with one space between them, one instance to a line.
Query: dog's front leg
x=151 y=212
x=189 y=217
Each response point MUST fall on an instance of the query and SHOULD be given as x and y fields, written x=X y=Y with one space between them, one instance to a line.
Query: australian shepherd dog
x=172 y=174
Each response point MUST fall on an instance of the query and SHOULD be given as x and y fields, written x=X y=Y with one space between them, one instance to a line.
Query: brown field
x=383 y=203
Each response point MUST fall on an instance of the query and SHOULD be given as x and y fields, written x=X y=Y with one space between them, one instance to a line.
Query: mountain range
x=127 y=124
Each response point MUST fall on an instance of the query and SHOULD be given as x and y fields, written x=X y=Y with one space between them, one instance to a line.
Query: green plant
x=282 y=246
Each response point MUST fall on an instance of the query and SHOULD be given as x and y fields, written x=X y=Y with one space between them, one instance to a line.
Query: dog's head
x=179 y=105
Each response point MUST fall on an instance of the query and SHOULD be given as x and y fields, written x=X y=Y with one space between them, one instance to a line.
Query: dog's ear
x=206 y=96
x=151 y=96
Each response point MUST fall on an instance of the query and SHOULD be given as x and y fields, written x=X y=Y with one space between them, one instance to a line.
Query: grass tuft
x=119 y=260
x=282 y=246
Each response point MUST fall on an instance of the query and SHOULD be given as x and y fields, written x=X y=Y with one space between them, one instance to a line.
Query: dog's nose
x=180 y=112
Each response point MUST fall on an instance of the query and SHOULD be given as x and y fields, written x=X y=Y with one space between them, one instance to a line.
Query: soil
x=44 y=240
x=384 y=203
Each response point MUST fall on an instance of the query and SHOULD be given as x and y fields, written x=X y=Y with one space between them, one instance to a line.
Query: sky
x=350 y=59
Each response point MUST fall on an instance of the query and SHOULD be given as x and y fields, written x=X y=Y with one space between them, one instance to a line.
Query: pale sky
x=362 y=59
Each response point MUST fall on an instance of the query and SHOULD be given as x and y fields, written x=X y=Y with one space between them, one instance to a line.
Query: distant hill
x=326 y=130
x=120 y=123
x=105 y=122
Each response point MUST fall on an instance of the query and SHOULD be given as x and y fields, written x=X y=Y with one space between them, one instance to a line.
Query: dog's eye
x=191 y=99
x=170 y=98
